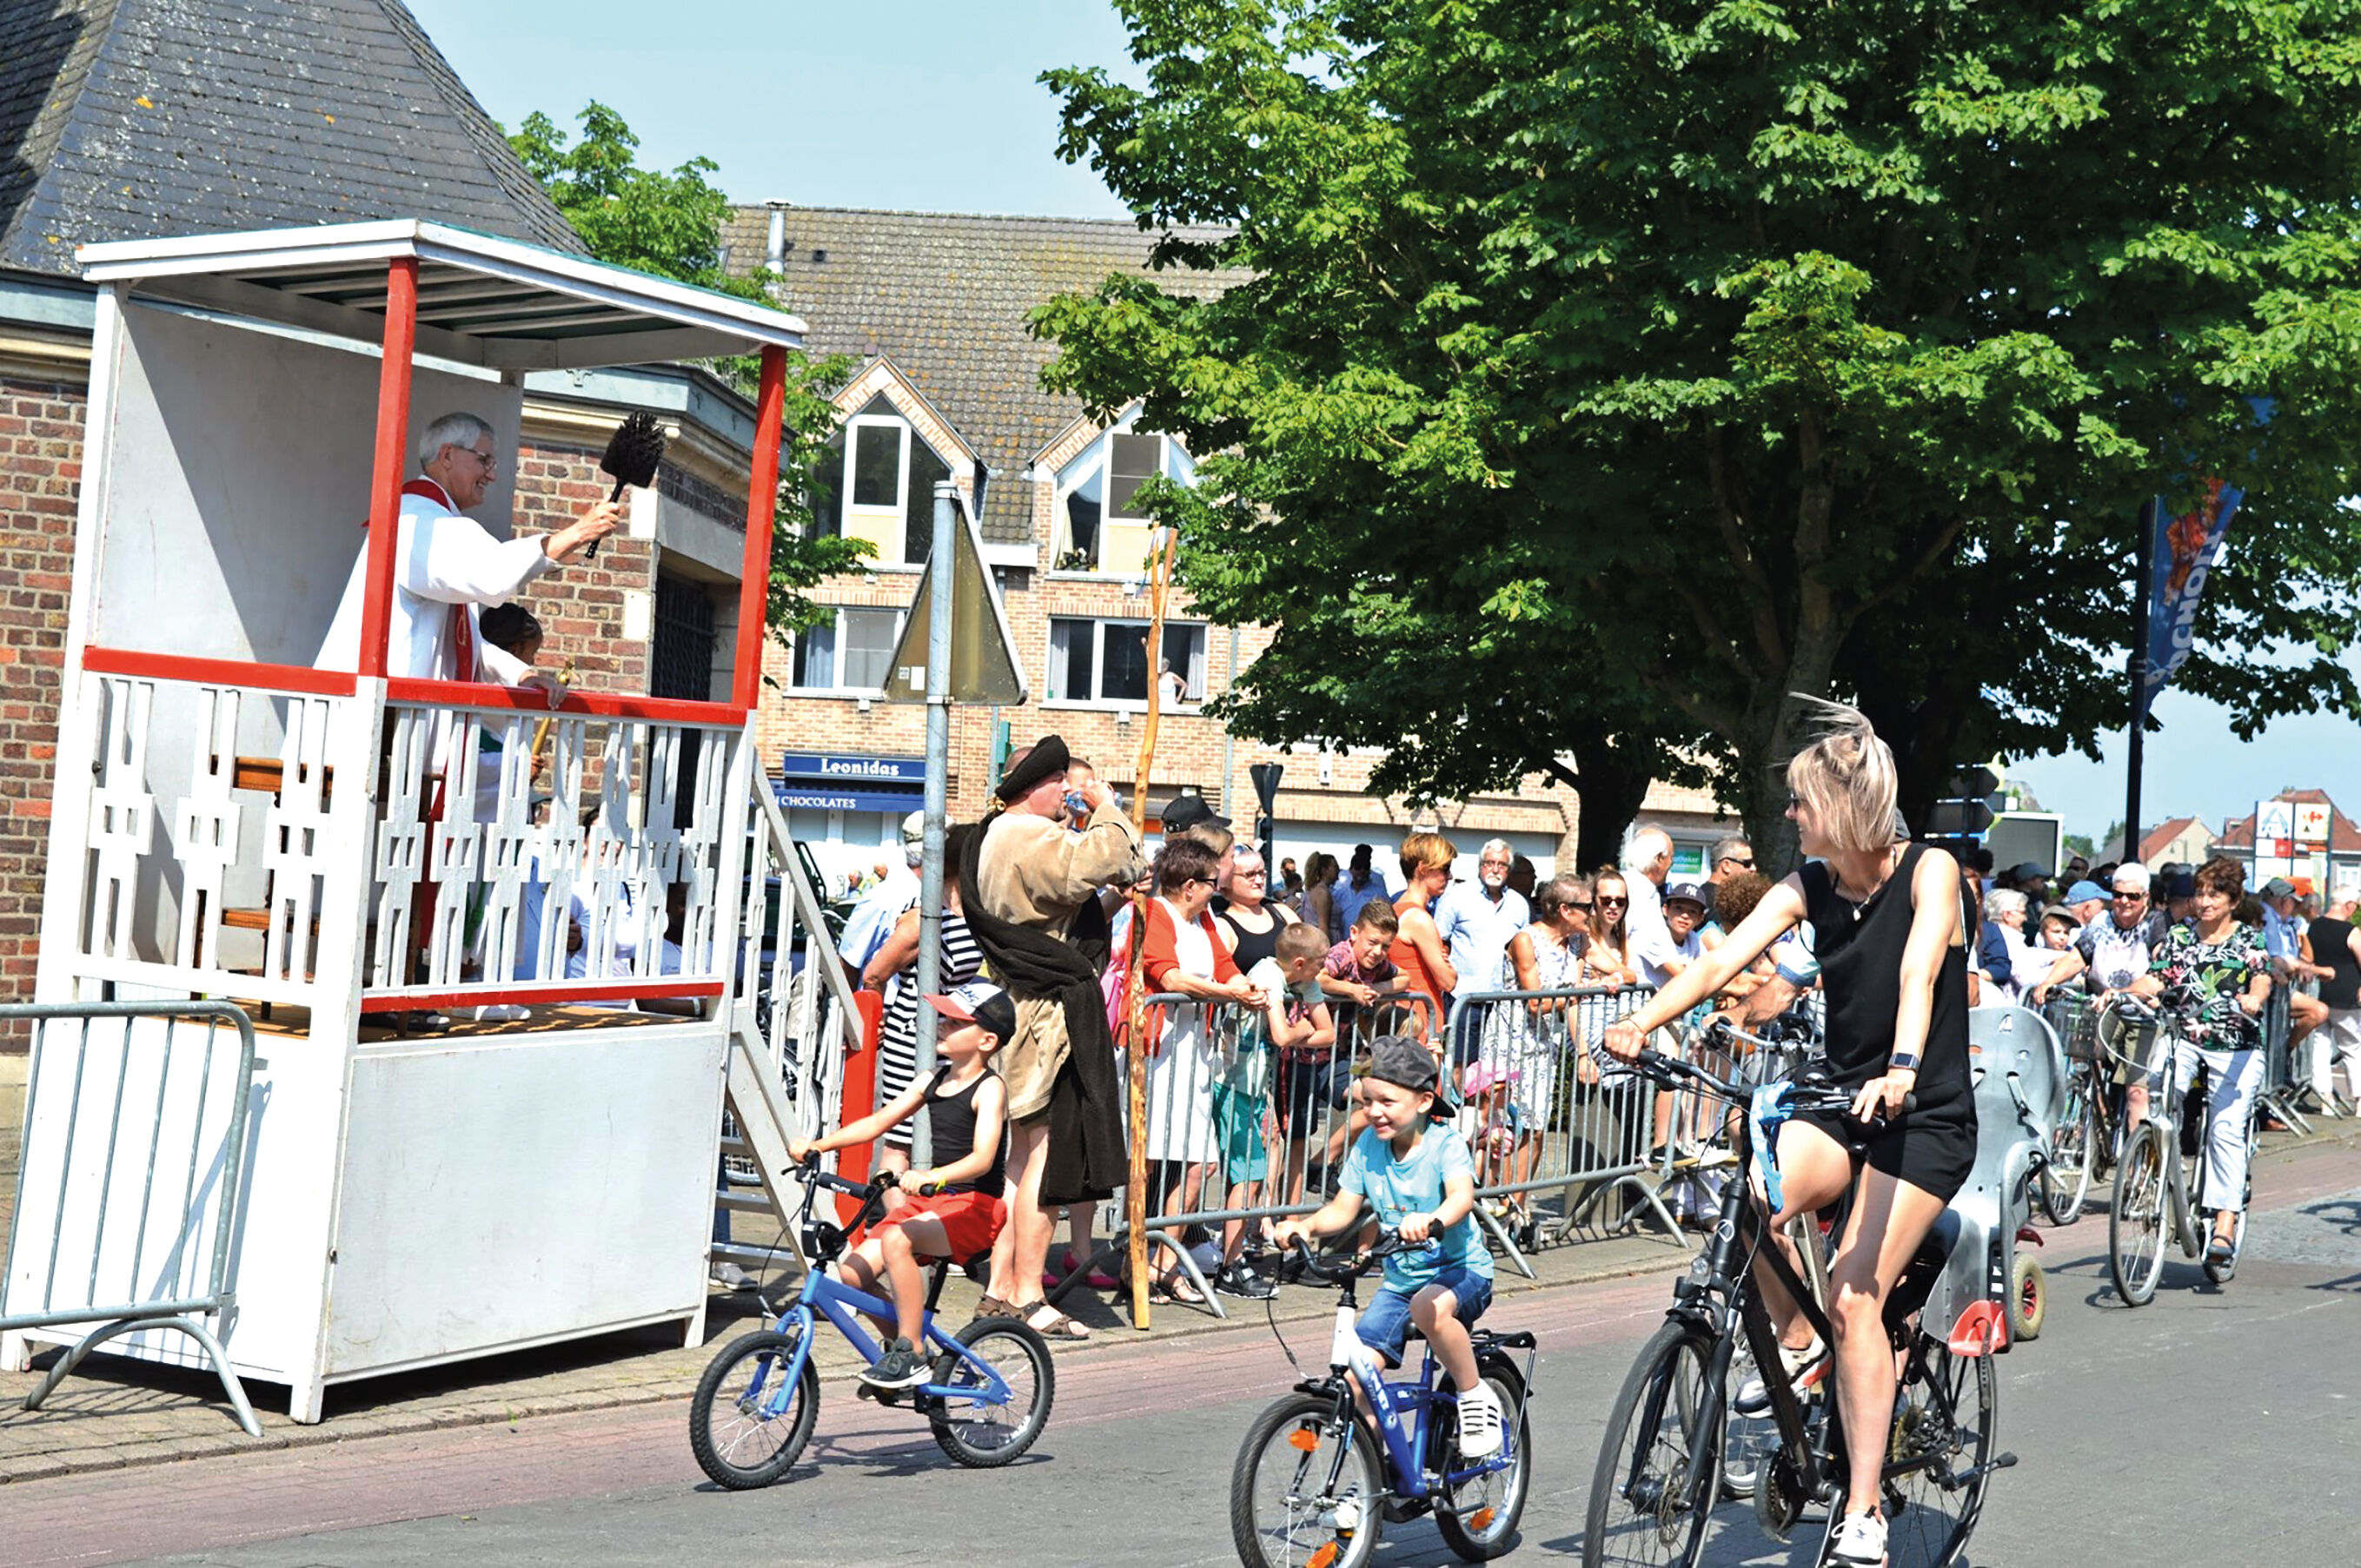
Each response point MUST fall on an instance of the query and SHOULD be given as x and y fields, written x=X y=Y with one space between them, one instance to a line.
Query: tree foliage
x=670 y=225
x=1610 y=371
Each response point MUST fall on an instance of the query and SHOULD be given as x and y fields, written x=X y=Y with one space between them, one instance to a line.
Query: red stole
x=463 y=625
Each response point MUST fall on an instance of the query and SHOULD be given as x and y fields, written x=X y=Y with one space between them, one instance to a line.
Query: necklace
x=1860 y=904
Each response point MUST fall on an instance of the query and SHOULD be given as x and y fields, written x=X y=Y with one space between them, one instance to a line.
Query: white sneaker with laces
x=730 y=1277
x=1805 y=1367
x=1859 y=1542
x=1479 y=1423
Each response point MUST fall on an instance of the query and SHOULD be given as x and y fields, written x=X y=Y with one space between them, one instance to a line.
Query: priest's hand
x=595 y=523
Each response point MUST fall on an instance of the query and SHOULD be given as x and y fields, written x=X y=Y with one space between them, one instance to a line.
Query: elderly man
x=1028 y=887
x=2108 y=954
x=1476 y=921
x=1731 y=857
x=2086 y=901
x=1647 y=861
x=2331 y=954
x=446 y=565
x=2282 y=939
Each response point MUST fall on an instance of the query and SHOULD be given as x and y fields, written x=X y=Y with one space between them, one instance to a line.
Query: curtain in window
x=1071 y=647
x=816 y=656
x=868 y=648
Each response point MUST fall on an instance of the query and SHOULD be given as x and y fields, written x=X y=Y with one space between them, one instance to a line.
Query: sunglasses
x=1747 y=864
x=1570 y=904
x=1613 y=898
x=2123 y=898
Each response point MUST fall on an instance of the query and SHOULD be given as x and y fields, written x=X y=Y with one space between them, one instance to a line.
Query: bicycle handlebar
x=1801 y=1096
x=876 y=1186
x=1355 y=1264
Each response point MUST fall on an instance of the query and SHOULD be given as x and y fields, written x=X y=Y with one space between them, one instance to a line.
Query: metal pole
x=2144 y=554
x=1229 y=735
x=939 y=762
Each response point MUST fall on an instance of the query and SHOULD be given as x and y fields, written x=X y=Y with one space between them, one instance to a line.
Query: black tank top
x=1860 y=950
x=1254 y=946
x=2332 y=949
x=953 y=1121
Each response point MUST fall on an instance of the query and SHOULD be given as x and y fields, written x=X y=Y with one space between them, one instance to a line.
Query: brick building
x=933 y=308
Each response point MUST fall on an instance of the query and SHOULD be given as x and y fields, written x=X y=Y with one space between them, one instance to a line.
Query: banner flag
x=2187 y=547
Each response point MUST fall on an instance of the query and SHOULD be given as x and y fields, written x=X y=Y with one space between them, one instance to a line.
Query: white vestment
x=442 y=560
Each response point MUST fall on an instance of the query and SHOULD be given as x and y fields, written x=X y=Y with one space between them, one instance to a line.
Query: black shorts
x=1304 y=1092
x=1933 y=1150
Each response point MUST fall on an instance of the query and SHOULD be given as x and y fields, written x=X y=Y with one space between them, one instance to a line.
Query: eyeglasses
x=1794 y=801
x=1615 y=899
x=1746 y=864
x=2124 y=895
x=1251 y=875
x=1570 y=904
x=487 y=460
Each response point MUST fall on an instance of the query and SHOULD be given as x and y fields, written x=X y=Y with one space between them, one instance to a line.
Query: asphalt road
x=2211 y=1427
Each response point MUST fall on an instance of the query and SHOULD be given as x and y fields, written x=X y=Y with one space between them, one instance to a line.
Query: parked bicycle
x=2156 y=1195
x=987 y=1395
x=1659 y=1470
x=1320 y=1475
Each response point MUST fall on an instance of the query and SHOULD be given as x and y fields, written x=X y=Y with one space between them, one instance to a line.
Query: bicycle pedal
x=2004 y=1461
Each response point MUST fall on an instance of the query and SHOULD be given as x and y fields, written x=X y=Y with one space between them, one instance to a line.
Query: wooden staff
x=541 y=731
x=1135 y=993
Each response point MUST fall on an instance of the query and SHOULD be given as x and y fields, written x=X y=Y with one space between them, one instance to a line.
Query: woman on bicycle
x=1886 y=918
x=2216 y=974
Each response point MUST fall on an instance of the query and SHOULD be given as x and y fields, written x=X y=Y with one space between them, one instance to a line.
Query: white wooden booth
x=229 y=821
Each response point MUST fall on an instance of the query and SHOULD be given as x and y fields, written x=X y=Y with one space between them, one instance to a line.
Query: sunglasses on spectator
x=1574 y=904
x=2127 y=893
x=1746 y=864
x=1613 y=898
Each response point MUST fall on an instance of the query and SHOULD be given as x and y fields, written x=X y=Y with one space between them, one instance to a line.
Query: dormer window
x=878 y=484
x=1101 y=526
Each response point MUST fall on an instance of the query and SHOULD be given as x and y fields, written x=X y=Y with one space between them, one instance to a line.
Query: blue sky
x=920 y=104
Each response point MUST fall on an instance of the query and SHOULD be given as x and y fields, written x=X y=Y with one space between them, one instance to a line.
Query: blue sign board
x=806 y=796
x=849 y=770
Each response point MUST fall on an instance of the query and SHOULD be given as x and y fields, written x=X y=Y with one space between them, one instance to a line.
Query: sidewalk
x=111 y=1413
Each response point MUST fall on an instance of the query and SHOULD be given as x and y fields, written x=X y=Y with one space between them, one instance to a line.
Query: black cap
x=2182 y=884
x=2278 y=887
x=978 y=1001
x=1187 y=811
x=1399 y=1060
x=1047 y=760
x=1690 y=892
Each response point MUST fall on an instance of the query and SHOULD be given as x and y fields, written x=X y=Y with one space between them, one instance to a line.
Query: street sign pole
x=938 y=806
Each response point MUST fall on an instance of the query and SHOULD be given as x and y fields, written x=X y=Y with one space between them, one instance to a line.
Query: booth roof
x=498 y=303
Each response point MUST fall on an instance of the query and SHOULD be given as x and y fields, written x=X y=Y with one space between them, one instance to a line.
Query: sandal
x=994 y=1307
x=1058 y=1327
x=1175 y=1288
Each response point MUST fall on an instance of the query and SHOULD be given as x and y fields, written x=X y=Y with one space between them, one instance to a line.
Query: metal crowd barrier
x=1558 y=1130
x=129 y=1179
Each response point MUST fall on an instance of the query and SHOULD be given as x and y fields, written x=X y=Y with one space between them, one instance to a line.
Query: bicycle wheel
x=1659 y=1470
x=2135 y=1227
x=1305 y=1490
x=1747 y=1441
x=1478 y=1516
x=2066 y=1178
x=751 y=1435
x=975 y=1430
x=1944 y=1426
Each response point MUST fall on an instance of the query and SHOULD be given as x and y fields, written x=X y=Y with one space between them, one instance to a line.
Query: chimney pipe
x=774 y=252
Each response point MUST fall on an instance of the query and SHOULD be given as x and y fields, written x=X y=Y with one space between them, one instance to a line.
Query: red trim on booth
x=554 y=992
x=761 y=501
x=217 y=672
x=859 y=1096
x=385 y=476
x=530 y=700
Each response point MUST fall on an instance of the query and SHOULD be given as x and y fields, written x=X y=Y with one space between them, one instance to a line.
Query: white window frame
x=847 y=511
x=1097 y=460
x=1098 y=662
x=836 y=665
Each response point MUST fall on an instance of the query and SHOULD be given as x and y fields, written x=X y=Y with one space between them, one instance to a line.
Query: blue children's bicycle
x=1316 y=1479
x=987 y=1397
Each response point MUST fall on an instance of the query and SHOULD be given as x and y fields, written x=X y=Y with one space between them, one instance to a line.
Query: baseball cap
x=1187 y=811
x=978 y=1001
x=2278 y=887
x=913 y=827
x=1483 y=1077
x=2084 y=889
x=2026 y=872
x=1398 y=1059
x=1688 y=890
x=2183 y=884
x=2059 y=911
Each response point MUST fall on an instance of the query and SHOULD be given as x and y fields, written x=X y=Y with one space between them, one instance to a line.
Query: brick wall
x=41 y=476
x=580 y=606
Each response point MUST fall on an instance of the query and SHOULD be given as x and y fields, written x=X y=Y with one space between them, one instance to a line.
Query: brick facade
x=40 y=476
x=580 y=607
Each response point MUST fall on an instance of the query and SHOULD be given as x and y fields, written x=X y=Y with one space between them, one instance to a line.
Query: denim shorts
x=1385 y=1322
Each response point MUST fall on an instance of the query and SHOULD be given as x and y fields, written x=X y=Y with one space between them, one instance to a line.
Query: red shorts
x=969 y=1219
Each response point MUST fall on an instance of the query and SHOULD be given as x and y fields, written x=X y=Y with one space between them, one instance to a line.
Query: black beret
x=1047 y=760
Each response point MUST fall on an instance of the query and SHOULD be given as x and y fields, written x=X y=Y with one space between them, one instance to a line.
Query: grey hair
x=1726 y=848
x=452 y=429
x=2134 y=873
x=1640 y=850
x=2003 y=901
x=1492 y=844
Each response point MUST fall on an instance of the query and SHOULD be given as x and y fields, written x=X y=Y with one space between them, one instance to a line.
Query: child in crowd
x=958 y=1209
x=1421 y=1186
x=1299 y=1027
x=1495 y=1129
x=1360 y=974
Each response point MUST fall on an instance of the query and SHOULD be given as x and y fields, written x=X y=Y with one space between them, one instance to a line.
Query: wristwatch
x=1902 y=1061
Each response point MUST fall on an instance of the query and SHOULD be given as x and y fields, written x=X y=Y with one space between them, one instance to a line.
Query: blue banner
x=2187 y=547
x=820 y=798
x=848 y=770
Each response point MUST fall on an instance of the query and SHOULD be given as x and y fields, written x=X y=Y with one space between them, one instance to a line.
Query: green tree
x=670 y=225
x=1686 y=356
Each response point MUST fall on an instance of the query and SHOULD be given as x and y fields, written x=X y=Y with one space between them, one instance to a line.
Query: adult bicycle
x=1658 y=1478
x=988 y=1389
x=2157 y=1196
x=1321 y=1473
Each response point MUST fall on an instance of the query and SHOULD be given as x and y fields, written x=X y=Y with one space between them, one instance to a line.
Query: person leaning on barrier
x=1029 y=889
x=1418 y=950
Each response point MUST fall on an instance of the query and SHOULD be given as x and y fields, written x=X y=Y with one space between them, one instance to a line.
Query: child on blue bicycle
x=1422 y=1184
x=957 y=1208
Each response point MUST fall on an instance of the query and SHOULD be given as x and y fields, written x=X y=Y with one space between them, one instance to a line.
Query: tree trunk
x=1613 y=778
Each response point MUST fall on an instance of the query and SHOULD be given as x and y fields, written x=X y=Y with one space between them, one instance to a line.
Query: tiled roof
x=2152 y=843
x=132 y=119
x=2343 y=835
x=945 y=295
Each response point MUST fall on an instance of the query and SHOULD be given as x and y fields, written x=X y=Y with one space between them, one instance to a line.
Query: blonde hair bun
x=1845 y=775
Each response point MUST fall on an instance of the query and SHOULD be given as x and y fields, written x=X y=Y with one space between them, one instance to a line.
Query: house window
x=1101 y=526
x=1106 y=662
x=877 y=482
x=850 y=653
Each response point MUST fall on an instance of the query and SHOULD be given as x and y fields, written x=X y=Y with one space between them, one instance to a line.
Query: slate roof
x=945 y=296
x=134 y=119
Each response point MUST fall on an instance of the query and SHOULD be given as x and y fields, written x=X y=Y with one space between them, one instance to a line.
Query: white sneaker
x=730 y=1277
x=1479 y=1423
x=1805 y=1367
x=495 y=1013
x=1859 y=1542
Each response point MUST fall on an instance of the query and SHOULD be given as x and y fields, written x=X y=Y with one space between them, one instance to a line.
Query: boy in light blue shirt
x=1422 y=1185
